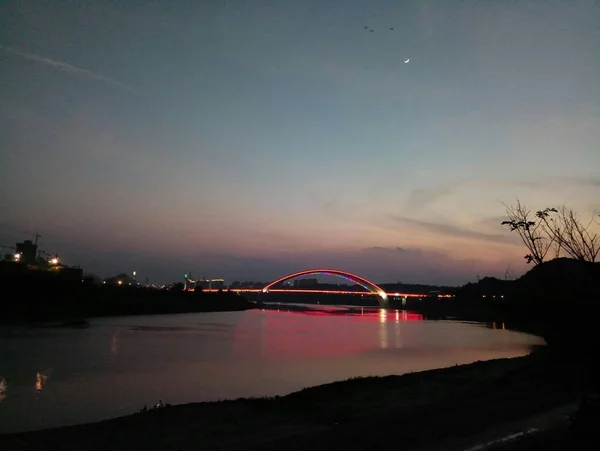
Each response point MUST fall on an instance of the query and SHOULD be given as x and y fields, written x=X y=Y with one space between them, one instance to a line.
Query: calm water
x=53 y=376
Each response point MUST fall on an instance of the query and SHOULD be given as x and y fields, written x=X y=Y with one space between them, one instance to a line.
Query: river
x=55 y=376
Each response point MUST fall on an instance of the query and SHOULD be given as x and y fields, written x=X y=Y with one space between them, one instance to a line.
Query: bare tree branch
x=568 y=232
x=533 y=234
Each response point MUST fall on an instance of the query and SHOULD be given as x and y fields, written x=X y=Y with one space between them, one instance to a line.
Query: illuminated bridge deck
x=315 y=291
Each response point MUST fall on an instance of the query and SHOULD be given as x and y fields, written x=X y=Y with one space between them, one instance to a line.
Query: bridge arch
x=367 y=284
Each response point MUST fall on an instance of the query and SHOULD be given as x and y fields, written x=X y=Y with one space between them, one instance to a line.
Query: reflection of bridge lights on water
x=3 y=388
x=382 y=316
x=400 y=316
x=114 y=344
x=383 y=332
x=285 y=333
x=40 y=380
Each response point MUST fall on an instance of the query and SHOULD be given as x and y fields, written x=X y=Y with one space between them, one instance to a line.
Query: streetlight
x=17 y=257
x=54 y=261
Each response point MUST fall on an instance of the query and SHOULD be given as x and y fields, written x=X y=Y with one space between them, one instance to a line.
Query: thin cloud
x=387 y=249
x=562 y=180
x=453 y=230
x=494 y=222
x=421 y=197
x=69 y=68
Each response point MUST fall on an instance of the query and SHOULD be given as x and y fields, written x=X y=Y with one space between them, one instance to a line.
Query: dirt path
x=511 y=434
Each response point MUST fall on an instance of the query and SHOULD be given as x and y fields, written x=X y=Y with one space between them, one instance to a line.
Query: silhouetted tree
x=553 y=230
x=532 y=233
x=570 y=234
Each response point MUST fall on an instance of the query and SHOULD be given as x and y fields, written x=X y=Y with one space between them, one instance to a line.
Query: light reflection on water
x=58 y=376
x=3 y=388
x=114 y=344
x=40 y=380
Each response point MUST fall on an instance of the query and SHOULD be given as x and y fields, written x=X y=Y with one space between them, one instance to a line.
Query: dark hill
x=562 y=297
x=558 y=289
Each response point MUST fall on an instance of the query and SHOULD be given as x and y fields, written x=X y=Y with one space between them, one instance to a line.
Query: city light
x=17 y=257
x=120 y=282
x=54 y=261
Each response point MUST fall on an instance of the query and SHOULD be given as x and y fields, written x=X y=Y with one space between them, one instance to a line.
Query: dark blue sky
x=247 y=139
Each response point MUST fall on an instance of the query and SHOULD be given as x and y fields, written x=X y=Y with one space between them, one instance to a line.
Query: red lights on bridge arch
x=367 y=284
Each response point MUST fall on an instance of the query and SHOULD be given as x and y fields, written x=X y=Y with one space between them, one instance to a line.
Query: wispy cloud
x=387 y=249
x=460 y=189
x=453 y=230
x=419 y=198
x=543 y=182
x=69 y=68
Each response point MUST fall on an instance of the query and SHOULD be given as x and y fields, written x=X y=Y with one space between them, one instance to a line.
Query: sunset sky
x=248 y=139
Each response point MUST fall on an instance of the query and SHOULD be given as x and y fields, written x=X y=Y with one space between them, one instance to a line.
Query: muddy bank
x=412 y=410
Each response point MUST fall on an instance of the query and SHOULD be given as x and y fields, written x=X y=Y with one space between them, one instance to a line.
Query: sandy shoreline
x=417 y=408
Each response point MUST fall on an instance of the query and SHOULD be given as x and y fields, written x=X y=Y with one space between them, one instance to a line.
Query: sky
x=248 y=139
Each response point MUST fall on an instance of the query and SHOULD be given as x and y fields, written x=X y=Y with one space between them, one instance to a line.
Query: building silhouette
x=27 y=251
x=210 y=284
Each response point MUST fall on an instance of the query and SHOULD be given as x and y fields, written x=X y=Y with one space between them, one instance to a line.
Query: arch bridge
x=366 y=284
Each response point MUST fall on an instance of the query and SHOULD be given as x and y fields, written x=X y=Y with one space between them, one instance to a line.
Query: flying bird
x=372 y=31
x=406 y=60
x=391 y=28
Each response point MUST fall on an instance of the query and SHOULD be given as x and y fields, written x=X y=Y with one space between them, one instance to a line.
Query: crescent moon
x=406 y=61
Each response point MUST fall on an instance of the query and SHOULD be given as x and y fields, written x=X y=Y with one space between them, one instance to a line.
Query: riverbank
x=74 y=304
x=413 y=410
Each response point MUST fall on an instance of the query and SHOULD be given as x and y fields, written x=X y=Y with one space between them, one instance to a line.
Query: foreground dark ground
x=415 y=411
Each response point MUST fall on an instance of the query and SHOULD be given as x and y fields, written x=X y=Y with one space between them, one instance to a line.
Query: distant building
x=217 y=284
x=26 y=251
x=121 y=279
x=189 y=285
x=236 y=284
x=211 y=284
x=306 y=283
